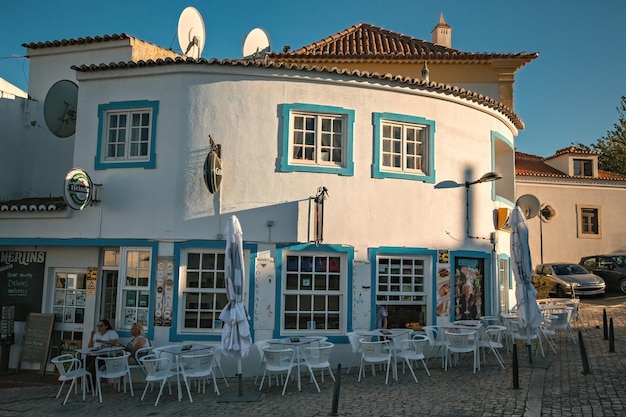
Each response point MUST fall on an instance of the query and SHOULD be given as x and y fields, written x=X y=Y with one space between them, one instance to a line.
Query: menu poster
x=468 y=288
x=21 y=281
x=164 y=292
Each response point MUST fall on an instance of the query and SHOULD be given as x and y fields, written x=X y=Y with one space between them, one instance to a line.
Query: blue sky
x=569 y=94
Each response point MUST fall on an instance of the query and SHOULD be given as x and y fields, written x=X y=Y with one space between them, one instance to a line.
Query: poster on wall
x=468 y=289
x=164 y=292
x=21 y=281
x=443 y=284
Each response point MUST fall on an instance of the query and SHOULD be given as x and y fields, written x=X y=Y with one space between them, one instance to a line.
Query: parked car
x=571 y=280
x=612 y=268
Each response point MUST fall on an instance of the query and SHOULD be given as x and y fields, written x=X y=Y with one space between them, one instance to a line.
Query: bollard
x=611 y=337
x=606 y=334
x=515 y=368
x=335 y=406
x=583 y=354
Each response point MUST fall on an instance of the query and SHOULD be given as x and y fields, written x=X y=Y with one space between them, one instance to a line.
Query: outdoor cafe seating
x=71 y=369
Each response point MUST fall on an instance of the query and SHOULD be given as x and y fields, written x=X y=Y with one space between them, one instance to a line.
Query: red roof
x=528 y=165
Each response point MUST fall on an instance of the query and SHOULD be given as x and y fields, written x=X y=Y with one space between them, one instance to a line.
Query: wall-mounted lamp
x=488 y=177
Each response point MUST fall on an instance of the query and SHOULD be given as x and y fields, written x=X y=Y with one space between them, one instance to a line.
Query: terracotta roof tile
x=365 y=41
x=34 y=204
x=444 y=88
x=527 y=165
x=78 y=41
x=572 y=150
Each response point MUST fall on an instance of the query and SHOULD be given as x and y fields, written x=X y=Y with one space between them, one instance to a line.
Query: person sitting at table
x=138 y=341
x=105 y=336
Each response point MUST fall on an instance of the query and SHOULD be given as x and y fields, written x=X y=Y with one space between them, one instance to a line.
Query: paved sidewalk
x=552 y=386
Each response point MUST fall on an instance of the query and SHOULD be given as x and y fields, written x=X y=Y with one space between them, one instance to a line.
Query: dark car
x=612 y=268
x=571 y=279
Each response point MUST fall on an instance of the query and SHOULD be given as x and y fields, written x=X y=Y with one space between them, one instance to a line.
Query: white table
x=177 y=351
x=297 y=343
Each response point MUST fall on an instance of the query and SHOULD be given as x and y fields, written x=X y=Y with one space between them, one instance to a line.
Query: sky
x=569 y=94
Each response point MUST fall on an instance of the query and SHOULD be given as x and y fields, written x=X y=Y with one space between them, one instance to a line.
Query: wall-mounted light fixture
x=488 y=177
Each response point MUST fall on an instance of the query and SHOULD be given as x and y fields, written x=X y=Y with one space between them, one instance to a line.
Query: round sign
x=213 y=172
x=78 y=189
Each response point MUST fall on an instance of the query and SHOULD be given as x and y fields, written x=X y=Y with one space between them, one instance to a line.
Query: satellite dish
x=191 y=32
x=547 y=212
x=256 y=44
x=529 y=204
x=59 y=108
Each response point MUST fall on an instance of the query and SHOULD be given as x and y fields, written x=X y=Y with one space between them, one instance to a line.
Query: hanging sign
x=213 y=172
x=78 y=189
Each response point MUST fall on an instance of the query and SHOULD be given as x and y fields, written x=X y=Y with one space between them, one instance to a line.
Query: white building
x=405 y=221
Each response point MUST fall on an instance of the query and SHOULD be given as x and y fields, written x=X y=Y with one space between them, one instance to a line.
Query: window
x=126 y=135
x=503 y=154
x=317 y=139
x=203 y=290
x=403 y=147
x=401 y=287
x=69 y=297
x=589 y=222
x=126 y=286
x=583 y=167
x=313 y=292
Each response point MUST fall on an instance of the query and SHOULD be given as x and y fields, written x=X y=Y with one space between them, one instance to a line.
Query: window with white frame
x=403 y=147
x=127 y=134
x=125 y=296
x=583 y=167
x=203 y=290
x=312 y=292
x=317 y=138
x=589 y=225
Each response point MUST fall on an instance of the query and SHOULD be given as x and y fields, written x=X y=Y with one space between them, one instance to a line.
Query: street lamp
x=488 y=177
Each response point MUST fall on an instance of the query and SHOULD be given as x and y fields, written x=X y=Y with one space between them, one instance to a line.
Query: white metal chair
x=354 y=339
x=549 y=331
x=437 y=340
x=525 y=335
x=199 y=368
x=113 y=367
x=260 y=345
x=217 y=361
x=318 y=357
x=562 y=323
x=412 y=350
x=71 y=369
x=378 y=352
x=462 y=342
x=492 y=340
x=575 y=312
x=278 y=362
x=157 y=370
x=140 y=353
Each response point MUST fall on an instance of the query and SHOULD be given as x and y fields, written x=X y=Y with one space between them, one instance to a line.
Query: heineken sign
x=78 y=189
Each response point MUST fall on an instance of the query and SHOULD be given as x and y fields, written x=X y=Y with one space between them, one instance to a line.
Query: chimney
x=442 y=33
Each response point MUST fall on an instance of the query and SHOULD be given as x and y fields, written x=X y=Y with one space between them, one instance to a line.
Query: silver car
x=571 y=280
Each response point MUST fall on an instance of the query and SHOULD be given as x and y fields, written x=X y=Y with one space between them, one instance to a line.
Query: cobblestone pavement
x=552 y=386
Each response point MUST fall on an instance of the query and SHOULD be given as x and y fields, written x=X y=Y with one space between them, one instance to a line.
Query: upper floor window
x=317 y=139
x=403 y=147
x=589 y=221
x=126 y=135
x=583 y=167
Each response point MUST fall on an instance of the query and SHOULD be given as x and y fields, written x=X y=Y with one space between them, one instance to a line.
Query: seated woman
x=138 y=341
x=105 y=336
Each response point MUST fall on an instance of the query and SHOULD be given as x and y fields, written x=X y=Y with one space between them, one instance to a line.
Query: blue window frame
x=127 y=135
x=317 y=139
x=403 y=147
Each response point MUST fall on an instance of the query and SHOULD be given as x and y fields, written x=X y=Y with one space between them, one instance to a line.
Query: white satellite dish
x=191 y=33
x=529 y=204
x=59 y=108
x=256 y=44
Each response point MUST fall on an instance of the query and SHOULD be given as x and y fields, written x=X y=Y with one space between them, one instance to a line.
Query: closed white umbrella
x=525 y=293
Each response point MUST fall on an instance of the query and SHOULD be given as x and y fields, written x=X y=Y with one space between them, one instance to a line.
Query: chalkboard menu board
x=21 y=281
x=36 y=340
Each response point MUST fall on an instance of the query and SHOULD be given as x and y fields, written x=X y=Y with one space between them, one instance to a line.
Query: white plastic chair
x=462 y=342
x=437 y=340
x=354 y=339
x=260 y=345
x=412 y=350
x=378 y=352
x=492 y=340
x=278 y=362
x=140 y=353
x=113 y=367
x=217 y=362
x=199 y=368
x=157 y=370
x=71 y=369
x=318 y=357
x=525 y=335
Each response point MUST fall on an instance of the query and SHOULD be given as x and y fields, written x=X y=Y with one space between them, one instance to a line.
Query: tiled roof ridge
x=445 y=88
x=572 y=150
x=34 y=204
x=79 y=41
x=366 y=40
x=529 y=165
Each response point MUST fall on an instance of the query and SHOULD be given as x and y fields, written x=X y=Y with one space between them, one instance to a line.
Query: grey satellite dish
x=256 y=44
x=59 y=108
x=548 y=212
x=529 y=204
x=191 y=32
